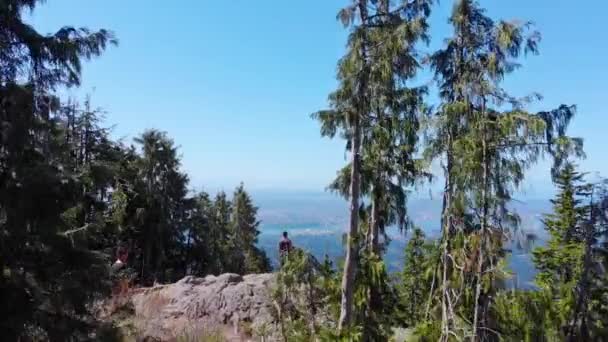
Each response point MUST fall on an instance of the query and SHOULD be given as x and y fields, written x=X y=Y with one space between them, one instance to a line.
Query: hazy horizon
x=317 y=222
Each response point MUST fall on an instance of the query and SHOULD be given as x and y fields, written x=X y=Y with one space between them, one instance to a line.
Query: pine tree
x=304 y=292
x=558 y=261
x=486 y=149
x=571 y=298
x=416 y=278
x=46 y=279
x=568 y=265
x=245 y=230
x=93 y=158
x=351 y=103
x=162 y=189
x=224 y=250
x=378 y=116
x=199 y=246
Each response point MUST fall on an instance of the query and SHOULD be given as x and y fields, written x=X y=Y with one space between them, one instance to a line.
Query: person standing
x=285 y=247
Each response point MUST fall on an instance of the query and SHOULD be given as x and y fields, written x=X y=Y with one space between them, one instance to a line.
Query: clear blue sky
x=234 y=81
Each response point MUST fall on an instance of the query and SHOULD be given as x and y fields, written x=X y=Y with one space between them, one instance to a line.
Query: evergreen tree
x=45 y=279
x=378 y=115
x=569 y=266
x=571 y=298
x=416 y=278
x=149 y=204
x=225 y=244
x=558 y=262
x=199 y=258
x=350 y=107
x=487 y=147
x=306 y=296
x=245 y=230
x=94 y=159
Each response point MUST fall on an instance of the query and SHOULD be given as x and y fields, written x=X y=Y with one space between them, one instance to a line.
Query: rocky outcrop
x=229 y=304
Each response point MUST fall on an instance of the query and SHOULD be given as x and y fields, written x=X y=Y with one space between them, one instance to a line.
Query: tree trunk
x=374 y=227
x=582 y=302
x=446 y=223
x=483 y=234
x=311 y=301
x=478 y=288
x=351 y=262
x=374 y=297
x=187 y=260
x=431 y=291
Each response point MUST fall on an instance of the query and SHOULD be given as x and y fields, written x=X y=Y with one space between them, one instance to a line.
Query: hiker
x=121 y=275
x=284 y=247
x=122 y=254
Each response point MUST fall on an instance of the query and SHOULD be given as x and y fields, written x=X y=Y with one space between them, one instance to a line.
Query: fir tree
x=245 y=230
x=557 y=263
x=221 y=238
x=416 y=278
x=571 y=295
x=569 y=266
x=378 y=115
x=163 y=187
x=486 y=148
x=199 y=247
x=46 y=278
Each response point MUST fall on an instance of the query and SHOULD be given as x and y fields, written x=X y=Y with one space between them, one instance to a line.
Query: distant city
x=316 y=222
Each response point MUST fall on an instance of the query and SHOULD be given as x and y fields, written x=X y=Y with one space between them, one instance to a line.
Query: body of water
x=327 y=240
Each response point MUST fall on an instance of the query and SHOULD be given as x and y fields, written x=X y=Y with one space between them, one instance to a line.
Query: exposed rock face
x=212 y=304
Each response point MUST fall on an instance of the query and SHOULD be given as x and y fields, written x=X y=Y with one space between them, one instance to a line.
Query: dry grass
x=119 y=300
x=154 y=303
x=200 y=334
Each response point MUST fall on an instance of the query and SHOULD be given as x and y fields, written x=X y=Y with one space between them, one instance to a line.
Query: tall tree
x=199 y=245
x=570 y=265
x=43 y=274
x=91 y=156
x=245 y=230
x=416 y=278
x=224 y=240
x=162 y=187
x=487 y=146
x=571 y=299
x=377 y=114
x=350 y=109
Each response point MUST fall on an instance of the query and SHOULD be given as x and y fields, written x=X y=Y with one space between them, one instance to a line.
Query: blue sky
x=234 y=82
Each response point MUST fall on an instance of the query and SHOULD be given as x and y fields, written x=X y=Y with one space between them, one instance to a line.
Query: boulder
x=228 y=304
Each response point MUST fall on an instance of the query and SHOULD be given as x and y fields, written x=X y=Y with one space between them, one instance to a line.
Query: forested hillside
x=71 y=196
x=75 y=202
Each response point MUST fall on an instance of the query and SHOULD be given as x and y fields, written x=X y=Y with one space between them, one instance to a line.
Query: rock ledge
x=228 y=303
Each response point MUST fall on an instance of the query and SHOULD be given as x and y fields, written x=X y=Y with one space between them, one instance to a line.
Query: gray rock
x=192 y=306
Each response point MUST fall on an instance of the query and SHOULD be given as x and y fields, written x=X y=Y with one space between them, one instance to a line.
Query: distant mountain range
x=318 y=221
